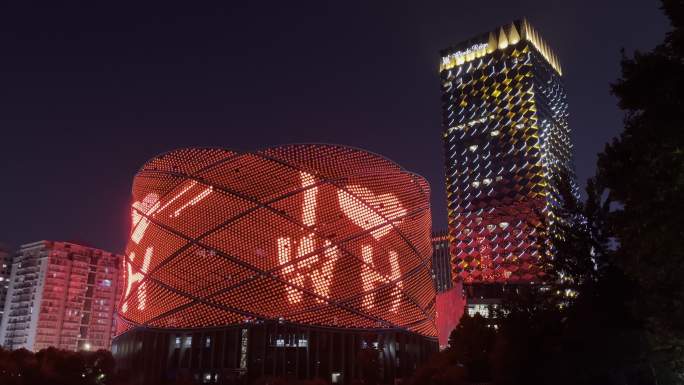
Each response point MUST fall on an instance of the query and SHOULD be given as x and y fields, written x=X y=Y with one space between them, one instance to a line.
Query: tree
x=100 y=366
x=526 y=344
x=643 y=170
x=55 y=366
x=471 y=344
x=441 y=369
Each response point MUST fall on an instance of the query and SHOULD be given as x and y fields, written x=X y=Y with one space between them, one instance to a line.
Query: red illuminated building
x=286 y=261
x=62 y=295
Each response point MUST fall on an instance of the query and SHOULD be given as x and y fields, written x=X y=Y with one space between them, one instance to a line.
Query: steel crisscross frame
x=273 y=273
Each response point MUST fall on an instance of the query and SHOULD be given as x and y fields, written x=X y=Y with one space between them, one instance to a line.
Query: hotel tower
x=507 y=149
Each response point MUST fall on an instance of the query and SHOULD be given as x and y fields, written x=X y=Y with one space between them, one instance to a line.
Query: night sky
x=89 y=93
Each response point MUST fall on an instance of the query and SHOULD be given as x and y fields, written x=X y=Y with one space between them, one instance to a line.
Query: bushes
x=58 y=367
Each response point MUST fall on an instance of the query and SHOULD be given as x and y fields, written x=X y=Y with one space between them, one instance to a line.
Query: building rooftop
x=498 y=39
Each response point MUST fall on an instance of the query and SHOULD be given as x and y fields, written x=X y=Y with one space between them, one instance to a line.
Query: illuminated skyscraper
x=62 y=295
x=507 y=146
x=441 y=263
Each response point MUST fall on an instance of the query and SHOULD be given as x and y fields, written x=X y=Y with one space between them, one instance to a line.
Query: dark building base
x=242 y=353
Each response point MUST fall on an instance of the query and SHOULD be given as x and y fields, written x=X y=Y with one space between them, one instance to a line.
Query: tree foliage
x=643 y=170
x=58 y=367
x=472 y=342
x=540 y=334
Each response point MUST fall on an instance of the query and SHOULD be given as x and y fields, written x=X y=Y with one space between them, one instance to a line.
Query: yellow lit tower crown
x=507 y=146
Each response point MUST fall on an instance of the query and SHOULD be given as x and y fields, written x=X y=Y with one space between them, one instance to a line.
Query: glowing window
x=478 y=308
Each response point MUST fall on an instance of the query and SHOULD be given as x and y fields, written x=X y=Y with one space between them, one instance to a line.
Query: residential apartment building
x=61 y=294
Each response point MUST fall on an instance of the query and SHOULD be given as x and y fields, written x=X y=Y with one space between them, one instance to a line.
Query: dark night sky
x=88 y=94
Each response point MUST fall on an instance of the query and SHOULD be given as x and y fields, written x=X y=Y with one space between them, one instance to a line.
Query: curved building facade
x=270 y=251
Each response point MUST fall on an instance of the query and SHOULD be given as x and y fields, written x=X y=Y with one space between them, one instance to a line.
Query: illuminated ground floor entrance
x=242 y=353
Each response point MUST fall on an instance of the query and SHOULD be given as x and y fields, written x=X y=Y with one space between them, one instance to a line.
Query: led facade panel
x=507 y=144
x=308 y=234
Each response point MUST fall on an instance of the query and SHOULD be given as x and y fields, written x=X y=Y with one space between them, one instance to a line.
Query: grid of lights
x=506 y=139
x=312 y=234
